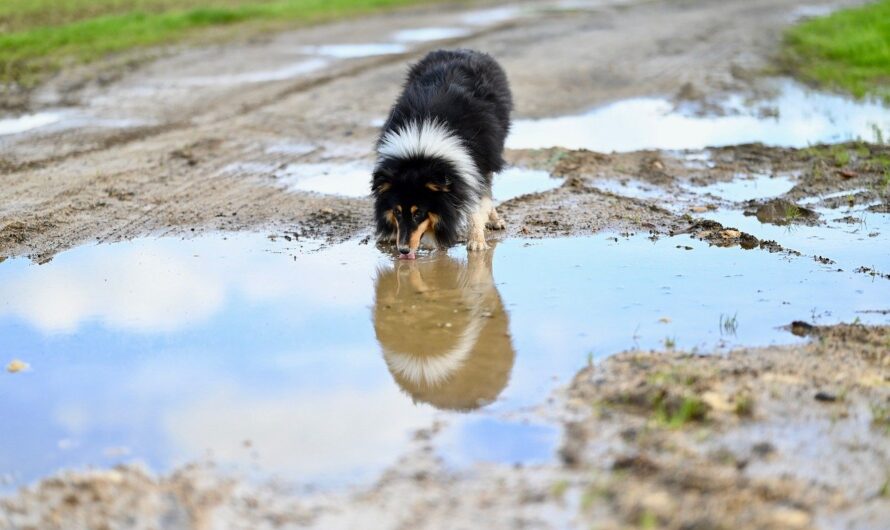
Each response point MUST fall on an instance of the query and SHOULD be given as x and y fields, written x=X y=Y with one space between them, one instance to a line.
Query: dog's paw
x=497 y=224
x=477 y=244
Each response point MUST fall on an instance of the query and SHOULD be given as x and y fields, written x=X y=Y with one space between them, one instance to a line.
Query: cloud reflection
x=160 y=286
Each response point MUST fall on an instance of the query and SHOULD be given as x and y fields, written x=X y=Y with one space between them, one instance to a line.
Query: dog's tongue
x=409 y=255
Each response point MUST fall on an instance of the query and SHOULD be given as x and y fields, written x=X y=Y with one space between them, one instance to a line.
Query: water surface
x=318 y=364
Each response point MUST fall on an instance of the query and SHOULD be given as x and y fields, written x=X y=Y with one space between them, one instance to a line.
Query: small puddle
x=796 y=118
x=283 y=73
x=241 y=348
x=490 y=17
x=853 y=237
x=429 y=34
x=354 y=51
x=354 y=179
x=28 y=122
x=747 y=187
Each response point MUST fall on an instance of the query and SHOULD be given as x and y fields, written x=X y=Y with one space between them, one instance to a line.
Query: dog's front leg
x=476 y=235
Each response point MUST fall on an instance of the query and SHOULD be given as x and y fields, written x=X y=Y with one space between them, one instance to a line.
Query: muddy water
x=796 y=117
x=242 y=349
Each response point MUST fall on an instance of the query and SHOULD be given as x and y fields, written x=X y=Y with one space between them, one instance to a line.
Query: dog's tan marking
x=414 y=242
x=393 y=220
x=432 y=186
x=413 y=210
x=383 y=187
x=434 y=220
x=399 y=208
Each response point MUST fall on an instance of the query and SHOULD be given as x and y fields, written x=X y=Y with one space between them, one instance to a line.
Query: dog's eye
x=416 y=216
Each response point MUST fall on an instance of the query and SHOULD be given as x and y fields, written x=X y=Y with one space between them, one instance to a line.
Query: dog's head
x=414 y=198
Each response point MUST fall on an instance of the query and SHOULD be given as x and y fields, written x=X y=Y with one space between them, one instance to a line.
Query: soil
x=777 y=437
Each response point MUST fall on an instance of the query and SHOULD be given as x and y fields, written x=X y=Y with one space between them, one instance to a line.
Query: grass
x=690 y=409
x=848 y=50
x=40 y=36
x=729 y=325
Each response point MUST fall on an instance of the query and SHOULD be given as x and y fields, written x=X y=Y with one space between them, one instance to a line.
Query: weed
x=648 y=520
x=690 y=409
x=840 y=155
x=792 y=212
x=884 y=492
x=670 y=343
x=558 y=490
x=880 y=416
x=729 y=325
x=744 y=405
x=879 y=134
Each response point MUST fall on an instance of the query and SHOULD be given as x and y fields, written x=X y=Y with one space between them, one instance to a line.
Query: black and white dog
x=438 y=150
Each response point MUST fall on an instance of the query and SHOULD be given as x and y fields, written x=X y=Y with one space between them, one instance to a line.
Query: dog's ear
x=381 y=181
x=439 y=183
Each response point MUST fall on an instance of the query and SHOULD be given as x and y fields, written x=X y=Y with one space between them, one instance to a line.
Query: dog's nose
x=404 y=250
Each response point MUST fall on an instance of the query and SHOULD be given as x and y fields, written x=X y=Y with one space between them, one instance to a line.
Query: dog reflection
x=443 y=330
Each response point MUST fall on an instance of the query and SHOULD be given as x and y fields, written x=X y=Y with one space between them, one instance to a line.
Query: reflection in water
x=443 y=330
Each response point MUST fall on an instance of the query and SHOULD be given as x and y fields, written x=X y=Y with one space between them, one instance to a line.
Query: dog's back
x=467 y=91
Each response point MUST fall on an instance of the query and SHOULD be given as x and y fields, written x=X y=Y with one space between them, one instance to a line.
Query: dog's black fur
x=467 y=93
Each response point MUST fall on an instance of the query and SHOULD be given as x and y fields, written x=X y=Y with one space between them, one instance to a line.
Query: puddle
x=353 y=179
x=747 y=187
x=27 y=122
x=489 y=17
x=261 y=76
x=516 y=181
x=804 y=118
x=429 y=34
x=811 y=11
x=852 y=245
x=291 y=148
x=354 y=51
x=241 y=349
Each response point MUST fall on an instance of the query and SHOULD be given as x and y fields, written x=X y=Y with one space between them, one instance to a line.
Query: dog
x=443 y=330
x=438 y=150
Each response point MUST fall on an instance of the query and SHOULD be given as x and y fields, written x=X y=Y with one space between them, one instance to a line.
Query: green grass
x=40 y=36
x=847 y=50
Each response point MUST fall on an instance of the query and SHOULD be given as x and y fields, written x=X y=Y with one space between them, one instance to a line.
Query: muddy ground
x=781 y=437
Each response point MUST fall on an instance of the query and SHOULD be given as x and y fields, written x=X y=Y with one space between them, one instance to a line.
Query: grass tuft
x=847 y=50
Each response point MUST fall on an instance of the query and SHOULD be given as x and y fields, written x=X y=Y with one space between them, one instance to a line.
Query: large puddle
x=243 y=349
x=797 y=117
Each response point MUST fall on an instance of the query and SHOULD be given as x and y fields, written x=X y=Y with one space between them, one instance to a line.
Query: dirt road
x=187 y=143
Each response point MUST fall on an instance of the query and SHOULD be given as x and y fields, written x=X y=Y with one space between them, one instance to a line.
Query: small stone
x=698 y=209
x=730 y=234
x=16 y=366
x=825 y=397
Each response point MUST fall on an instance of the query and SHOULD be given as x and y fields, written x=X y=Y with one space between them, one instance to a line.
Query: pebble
x=16 y=366
x=825 y=396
